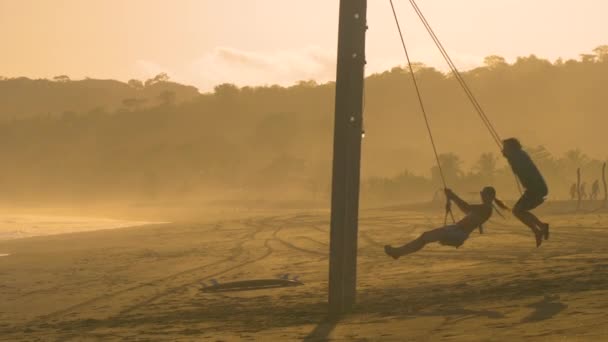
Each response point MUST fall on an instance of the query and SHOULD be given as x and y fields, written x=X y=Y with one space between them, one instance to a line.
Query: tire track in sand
x=259 y=227
x=235 y=253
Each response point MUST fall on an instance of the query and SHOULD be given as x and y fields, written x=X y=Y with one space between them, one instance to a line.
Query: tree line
x=156 y=140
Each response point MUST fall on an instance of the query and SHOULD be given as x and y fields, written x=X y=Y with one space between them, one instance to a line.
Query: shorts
x=452 y=235
x=528 y=201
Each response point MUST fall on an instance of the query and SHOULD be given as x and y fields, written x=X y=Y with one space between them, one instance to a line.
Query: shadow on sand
x=545 y=309
x=255 y=314
x=322 y=331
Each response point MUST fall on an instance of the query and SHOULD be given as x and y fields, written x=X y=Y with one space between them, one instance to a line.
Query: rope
x=484 y=118
x=459 y=78
x=422 y=108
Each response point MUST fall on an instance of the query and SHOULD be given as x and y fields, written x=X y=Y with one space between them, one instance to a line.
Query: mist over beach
x=318 y=170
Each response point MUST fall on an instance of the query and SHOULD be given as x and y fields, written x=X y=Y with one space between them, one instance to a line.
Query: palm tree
x=574 y=159
x=486 y=166
x=451 y=166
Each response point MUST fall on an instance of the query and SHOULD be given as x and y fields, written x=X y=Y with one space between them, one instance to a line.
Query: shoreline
x=24 y=226
x=112 y=217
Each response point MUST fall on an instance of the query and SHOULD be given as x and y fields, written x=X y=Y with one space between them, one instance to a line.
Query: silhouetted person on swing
x=535 y=188
x=456 y=234
x=595 y=189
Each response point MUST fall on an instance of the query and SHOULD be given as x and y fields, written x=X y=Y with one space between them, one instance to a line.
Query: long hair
x=491 y=191
x=501 y=205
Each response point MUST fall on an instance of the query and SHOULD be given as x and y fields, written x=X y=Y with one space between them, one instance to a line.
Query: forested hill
x=25 y=98
x=161 y=138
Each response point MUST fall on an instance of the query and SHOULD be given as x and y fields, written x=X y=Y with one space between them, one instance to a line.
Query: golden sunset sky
x=253 y=42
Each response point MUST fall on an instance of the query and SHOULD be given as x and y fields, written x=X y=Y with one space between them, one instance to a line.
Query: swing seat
x=454 y=237
x=452 y=243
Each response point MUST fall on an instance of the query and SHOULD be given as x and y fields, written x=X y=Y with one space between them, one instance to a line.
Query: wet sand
x=144 y=283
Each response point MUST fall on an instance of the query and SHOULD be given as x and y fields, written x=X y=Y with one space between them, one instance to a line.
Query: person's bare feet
x=539 y=238
x=545 y=229
x=392 y=252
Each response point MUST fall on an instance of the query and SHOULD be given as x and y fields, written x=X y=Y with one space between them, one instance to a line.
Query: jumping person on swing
x=535 y=188
x=456 y=234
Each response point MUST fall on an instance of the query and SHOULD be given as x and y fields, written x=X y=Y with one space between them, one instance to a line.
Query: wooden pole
x=578 y=187
x=347 y=156
x=605 y=187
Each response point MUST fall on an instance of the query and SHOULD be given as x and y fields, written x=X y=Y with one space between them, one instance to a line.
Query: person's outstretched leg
x=411 y=247
x=415 y=245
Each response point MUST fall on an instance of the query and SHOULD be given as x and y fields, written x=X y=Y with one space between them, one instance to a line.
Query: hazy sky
x=206 y=42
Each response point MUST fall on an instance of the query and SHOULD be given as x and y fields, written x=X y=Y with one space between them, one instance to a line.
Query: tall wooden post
x=578 y=187
x=347 y=156
x=605 y=186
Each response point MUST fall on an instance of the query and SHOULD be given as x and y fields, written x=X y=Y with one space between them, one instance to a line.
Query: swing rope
x=484 y=118
x=424 y=114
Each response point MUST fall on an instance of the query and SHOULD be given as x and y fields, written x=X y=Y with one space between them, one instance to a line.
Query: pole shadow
x=322 y=331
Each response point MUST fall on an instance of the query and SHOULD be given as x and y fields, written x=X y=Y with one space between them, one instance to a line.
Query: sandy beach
x=144 y=283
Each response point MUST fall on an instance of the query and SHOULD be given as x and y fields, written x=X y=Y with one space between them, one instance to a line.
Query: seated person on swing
x=535 y=188
x=455 y=234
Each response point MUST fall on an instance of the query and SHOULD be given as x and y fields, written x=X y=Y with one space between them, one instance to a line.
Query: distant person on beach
x=584 y=191
x=455 y=234
x=595 y=189
x=573 y=191
x=535 y=188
